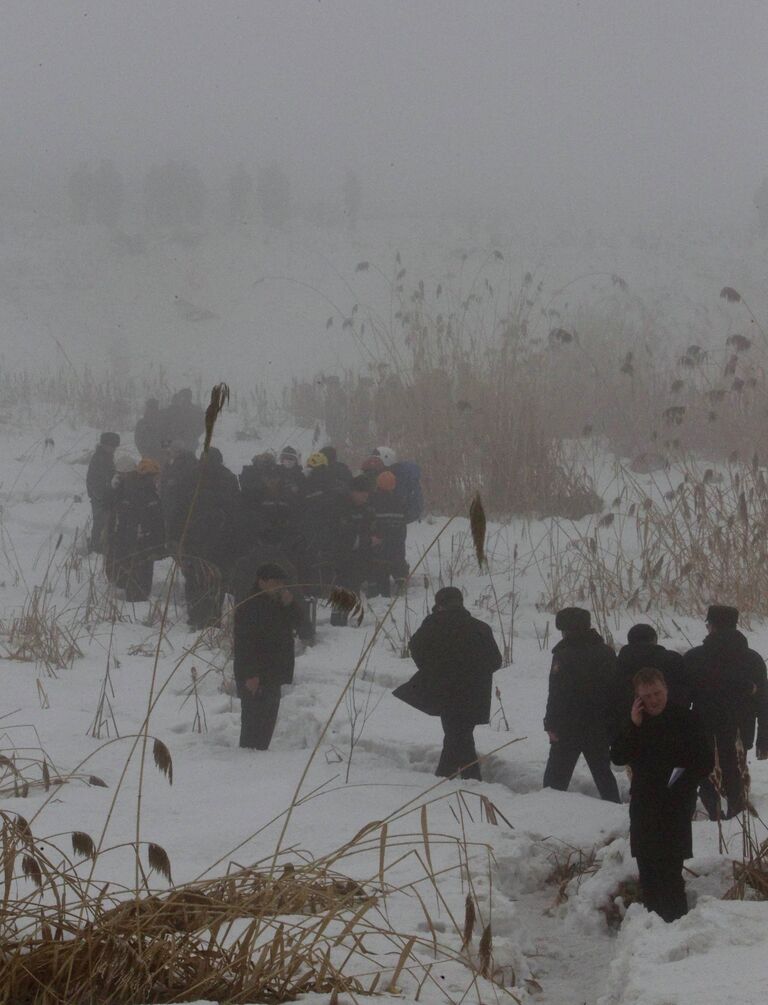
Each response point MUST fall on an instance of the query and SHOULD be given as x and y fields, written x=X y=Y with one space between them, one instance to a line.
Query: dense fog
x=563 y=132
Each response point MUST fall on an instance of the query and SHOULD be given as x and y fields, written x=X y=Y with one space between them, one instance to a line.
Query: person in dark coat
x=288 y=549
x=729 y=691
x=388 y=537
x=264 y=653
x=667 y=749
x=148 y=434
x=456 y=656
x=98 y=485
x=353 y=542
x=643 y=651
x=338 y=469
x=205 y=517
x=583 y=685
x=183 y=420
x=135 y=534
x=319 y=520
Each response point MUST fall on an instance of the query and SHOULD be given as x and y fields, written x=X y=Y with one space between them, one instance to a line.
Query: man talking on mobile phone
x=667 y=749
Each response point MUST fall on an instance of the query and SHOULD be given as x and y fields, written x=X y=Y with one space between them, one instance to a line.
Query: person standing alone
x=265 y=624
x=456 y=656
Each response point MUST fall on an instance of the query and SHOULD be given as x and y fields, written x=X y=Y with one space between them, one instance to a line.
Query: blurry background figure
x=98 y=484
x=135 y=536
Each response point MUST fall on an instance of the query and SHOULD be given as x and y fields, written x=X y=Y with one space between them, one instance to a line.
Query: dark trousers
x=563 y=756
x=258 y=716
x=732 y=784
x=203 y=592
x=100 y=514
x=458 y=749
x=135 y=577
x=663 y=886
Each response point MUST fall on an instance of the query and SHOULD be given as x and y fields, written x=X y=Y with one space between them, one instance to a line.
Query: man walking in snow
x=581 y=704
x=729 y=687
x=456 y=656
x=264 y=653
x=665 y=746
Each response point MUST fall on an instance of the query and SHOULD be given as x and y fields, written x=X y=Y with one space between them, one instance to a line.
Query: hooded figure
x=581 y=704
x=730 y=691
x=456 y=656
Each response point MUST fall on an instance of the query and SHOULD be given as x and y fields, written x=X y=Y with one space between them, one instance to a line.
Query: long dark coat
x=101 y=471
x=135 y=534
x=456 y=656
x=729 y=688
x=264 y=629
x=660 y=813
x=641 y=655
x=583 y=689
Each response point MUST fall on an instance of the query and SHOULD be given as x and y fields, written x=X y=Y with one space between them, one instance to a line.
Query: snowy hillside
x=557 y=935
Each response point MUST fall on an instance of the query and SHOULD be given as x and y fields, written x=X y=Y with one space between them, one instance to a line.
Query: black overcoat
x=583 y=689
x=728 y=685
x=456 y=656
x=660 y=813
x=264 y=629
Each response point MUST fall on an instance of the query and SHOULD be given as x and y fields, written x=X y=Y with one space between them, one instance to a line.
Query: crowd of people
x=324 y=525
x=282 y=534
x=682 y=724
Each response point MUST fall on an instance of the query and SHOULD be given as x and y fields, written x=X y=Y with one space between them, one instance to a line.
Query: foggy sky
x=601 y=105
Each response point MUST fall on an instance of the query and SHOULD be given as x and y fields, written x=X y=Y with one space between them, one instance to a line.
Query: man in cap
x=98 y=484
x=730 y=692
x=456 y=656
x=264 y=653
x=581 y=704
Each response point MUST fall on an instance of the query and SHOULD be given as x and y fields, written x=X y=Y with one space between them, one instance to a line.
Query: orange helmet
x=386 y=482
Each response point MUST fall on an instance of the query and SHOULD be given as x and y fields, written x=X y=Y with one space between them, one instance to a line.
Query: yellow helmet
x=317 y=460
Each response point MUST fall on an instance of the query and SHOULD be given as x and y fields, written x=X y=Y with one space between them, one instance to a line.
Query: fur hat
x=271 y=570
x=386 y=481
x=109 y=440
x=449 y=597
x=721 y=616
x=642 y=634
x=573 y=619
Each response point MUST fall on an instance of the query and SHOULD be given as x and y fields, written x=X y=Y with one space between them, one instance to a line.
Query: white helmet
x=387 y=455
x=124 y=463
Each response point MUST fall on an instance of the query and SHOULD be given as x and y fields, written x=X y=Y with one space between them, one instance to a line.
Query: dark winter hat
x=109 y=440
x=360 y=484
x=450 y=597
x=289 y=453
x=642 y=634
x=720 y=616
x=330 y=453
x=271 y=570
x=572 y=619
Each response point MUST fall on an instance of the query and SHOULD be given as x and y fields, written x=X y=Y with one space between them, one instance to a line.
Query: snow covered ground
x=556 y=944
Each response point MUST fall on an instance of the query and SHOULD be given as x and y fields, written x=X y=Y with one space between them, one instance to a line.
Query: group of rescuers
x=682 y=724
